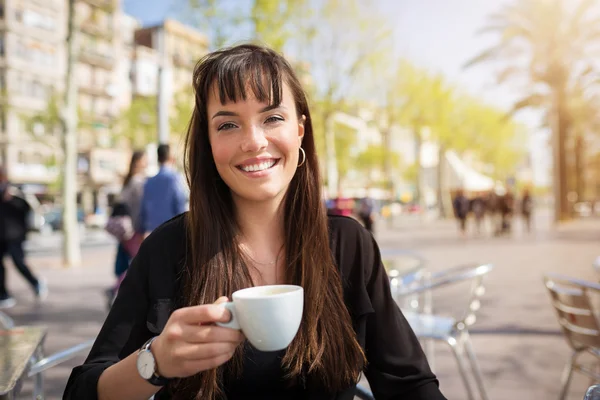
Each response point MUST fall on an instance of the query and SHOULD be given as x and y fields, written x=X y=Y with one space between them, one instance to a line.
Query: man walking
x=14 y=211
x=164 y=197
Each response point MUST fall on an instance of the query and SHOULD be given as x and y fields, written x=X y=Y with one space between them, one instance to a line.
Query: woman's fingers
x=204 y=351
x=202 y=314
x=209 y=333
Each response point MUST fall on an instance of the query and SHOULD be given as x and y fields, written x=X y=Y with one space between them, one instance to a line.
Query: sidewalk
x=516 y=337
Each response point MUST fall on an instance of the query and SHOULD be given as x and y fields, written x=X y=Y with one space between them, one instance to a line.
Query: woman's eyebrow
x=225 y=113
x=234 y=114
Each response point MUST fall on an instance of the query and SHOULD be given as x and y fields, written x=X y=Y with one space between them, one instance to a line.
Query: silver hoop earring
x=303 y=157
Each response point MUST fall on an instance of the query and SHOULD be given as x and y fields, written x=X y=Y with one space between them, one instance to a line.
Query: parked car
x=53 y=218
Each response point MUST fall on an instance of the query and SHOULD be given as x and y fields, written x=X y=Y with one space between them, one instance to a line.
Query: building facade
x=116 y=61
x=32 y=65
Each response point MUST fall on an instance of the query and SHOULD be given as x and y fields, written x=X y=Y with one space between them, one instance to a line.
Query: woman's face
x=255 y=146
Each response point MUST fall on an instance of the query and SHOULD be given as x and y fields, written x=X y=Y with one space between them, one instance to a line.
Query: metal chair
x=39 y=364
x=596 y=265
x=593 y=393
x=580 y=326
x=453 y=331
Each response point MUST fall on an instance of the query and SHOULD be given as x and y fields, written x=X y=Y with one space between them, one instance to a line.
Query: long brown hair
x=325 y=350
x=135 y=159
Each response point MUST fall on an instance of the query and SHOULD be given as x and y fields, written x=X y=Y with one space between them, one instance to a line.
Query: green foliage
x=345 y=140
x=139 y=123
x=372 y=158
x=181 y=112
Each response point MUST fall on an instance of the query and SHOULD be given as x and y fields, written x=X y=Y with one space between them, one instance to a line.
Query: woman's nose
x=254 y=140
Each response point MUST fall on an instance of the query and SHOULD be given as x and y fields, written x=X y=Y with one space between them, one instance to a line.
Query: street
x=516 y=336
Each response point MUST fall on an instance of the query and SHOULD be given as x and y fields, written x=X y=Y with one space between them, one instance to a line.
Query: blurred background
x=414 y=104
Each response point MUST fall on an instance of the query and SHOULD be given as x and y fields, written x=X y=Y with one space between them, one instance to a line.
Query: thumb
x=221 y=300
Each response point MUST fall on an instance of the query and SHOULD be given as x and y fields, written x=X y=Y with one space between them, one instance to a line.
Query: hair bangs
x=249 y=74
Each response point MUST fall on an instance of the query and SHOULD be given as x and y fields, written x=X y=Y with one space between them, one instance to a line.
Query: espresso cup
x=269 y=316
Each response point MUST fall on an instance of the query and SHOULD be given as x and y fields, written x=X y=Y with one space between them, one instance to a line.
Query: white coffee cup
x=269 y=316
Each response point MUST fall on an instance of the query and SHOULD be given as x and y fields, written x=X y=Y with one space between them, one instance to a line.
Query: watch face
x=145 y=364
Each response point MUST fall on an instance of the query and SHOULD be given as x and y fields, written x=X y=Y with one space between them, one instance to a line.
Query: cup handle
x=233 y=323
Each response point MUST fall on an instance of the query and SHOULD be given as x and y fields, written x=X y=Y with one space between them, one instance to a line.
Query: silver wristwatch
x=146 y=365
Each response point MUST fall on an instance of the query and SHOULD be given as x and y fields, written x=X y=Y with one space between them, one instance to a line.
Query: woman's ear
x=301 y=129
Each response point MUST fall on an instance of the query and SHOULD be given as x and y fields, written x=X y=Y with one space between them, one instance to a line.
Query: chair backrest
x=593 y=393
x=472 y=274
x=404 y=268
x=571 y=301
x=596 y=265
x=6 y=322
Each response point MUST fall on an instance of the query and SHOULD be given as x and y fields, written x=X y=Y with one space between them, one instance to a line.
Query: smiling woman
x=256 y=218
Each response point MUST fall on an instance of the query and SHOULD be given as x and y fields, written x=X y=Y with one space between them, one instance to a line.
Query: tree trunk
x=579 y=169
x=441 y=182
x=71 y=250
x=419 y=195
x=387 y=162
x=560 y=131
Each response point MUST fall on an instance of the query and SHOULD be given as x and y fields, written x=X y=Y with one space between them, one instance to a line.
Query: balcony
x=182 y=61
x=106 y=5
x=94 y=90
x=96 y=30
x=96 y=58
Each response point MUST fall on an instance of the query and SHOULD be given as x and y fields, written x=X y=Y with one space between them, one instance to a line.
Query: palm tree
x=545 y=49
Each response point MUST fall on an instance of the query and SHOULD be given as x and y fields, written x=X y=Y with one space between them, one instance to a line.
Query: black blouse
x=397 y=367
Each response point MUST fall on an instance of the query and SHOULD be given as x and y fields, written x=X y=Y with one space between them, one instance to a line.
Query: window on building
x=19 y=15
x=21 y=159
x=1 y=45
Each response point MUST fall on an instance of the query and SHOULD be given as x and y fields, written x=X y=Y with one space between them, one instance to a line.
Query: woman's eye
x=273 y=119
x=226 y=126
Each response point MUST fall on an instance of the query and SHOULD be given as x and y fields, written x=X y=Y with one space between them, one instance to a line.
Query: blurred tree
x=139 y=123
x=546 y=47
x=181 y=112
x=277 y=23
x=370 y=160
x=219 y=19
x=345 y=140
x=349 y=43
x=414 y=91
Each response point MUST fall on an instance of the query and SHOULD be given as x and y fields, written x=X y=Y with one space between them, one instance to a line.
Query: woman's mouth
x=258 y=167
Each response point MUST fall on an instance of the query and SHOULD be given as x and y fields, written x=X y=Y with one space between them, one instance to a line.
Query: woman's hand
x=190 y=342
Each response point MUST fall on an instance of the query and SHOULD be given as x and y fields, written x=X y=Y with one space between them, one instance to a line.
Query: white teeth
x=259 y=167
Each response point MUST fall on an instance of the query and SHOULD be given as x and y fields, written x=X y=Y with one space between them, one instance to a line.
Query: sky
x=440 y=35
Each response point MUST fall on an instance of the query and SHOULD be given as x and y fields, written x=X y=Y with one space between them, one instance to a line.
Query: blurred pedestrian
x=478 y=208
x=507 y=204
x=527 y=208
x=366 y=213
x=127 y=208
x=461 y=211
x=164 y=196
x=14 y=213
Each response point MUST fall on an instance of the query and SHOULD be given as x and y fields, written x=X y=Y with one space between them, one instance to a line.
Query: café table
x=20 y=347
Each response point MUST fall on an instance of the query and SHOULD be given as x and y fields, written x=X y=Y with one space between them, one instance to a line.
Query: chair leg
x=475 y=365
x=566 y=376
x=457 y=350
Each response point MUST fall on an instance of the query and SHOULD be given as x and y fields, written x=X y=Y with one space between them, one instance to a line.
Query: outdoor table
x=19 y=347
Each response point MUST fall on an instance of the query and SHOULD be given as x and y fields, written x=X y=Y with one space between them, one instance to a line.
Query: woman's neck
x=261 y=226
